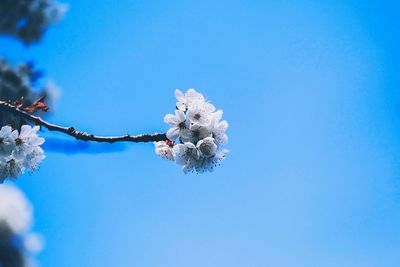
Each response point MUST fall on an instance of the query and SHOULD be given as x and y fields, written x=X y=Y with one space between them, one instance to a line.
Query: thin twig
x=4 y=106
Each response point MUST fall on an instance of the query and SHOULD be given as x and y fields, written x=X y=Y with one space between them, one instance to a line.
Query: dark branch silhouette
x=142 y=138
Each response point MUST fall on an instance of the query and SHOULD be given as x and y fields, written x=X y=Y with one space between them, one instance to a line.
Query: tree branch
x=4 y=106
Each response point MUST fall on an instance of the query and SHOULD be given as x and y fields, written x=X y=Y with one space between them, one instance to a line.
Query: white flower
x=185 y=100
x=207 y=147
x=15 y=210
x=19 y=151
x=197 y=132
x=15 y=228
x=179 y=125
x=186 y=155
x=164 y=149
x=200 y=113
x=27 y=141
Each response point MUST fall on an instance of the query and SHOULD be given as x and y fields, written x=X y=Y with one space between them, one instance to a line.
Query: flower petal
x=173 y=133
x=170 y=119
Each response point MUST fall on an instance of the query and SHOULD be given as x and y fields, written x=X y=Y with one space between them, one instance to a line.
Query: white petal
x=14 y=135
x=217 y=116
x=178 y=94
x=194 y=95
x=209 y=107
x=35 y=129
x=191 y=91
x=179 y=152
x=5 y=131
x=204 y=121
x=223 y=139
x=180 y=115
x=38 y=141
x=25 y=130
x=173 y=133
x=221 y=128
x=190 y=145
x=170 y=119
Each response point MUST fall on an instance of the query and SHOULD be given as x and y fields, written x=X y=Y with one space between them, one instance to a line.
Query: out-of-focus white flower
x=179 y=125
x=164 y=150
x=52 y=92
x=34 y=243
x=19 y=151
x=199 y=132
x=15 y=209
x=15 y=228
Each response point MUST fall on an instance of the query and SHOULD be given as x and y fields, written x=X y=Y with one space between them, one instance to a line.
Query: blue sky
x=311 y=92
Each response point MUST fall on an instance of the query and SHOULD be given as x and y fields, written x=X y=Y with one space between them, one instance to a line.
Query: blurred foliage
x=21 y=83
x=29 y=19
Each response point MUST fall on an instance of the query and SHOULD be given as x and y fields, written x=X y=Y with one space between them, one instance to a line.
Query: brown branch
x=4 y=106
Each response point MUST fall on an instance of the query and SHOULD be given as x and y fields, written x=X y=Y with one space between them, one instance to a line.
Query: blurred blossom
x=52 y=92
x=17 y=243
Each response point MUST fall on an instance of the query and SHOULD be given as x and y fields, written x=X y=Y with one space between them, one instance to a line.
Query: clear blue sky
x=311 y=90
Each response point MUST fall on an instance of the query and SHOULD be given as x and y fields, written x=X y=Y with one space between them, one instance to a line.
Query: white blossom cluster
x=19 y=151
x=17 y=243
x=197 y=134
